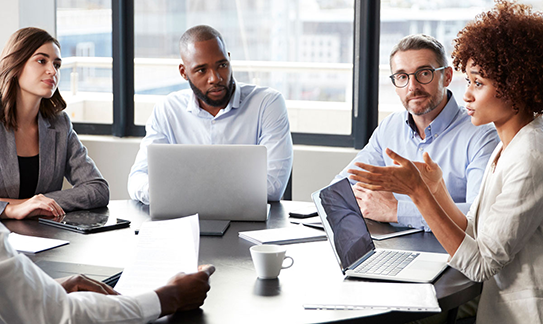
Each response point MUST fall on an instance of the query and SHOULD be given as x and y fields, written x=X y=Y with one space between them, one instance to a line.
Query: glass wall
x=301 y=48
x=84 y=33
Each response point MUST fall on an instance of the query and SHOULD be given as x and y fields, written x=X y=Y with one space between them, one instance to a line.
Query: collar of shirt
x=194 y=106
x=440 y=123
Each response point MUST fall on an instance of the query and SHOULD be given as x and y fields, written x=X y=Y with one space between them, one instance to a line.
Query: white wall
x=314 y=166
x=16 y=14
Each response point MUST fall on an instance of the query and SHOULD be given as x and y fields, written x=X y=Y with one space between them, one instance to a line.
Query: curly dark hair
x=507 y=44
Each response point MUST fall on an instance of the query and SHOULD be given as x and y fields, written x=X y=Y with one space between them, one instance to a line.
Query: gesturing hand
x=430 y=171
x=403 y=178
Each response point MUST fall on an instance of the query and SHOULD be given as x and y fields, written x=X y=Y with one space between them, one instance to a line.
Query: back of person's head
x=17 y=51
x=419 y=42
x=199 y=33
x=507 y=45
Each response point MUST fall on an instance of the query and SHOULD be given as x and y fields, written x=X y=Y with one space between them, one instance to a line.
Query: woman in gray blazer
x=37 y=142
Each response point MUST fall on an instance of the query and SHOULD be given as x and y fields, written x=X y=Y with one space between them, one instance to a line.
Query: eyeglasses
x=423 y=76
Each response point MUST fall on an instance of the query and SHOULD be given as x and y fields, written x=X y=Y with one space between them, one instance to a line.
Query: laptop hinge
x=359 y=261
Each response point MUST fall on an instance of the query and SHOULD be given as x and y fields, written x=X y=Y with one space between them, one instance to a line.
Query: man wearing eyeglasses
x=434 y=123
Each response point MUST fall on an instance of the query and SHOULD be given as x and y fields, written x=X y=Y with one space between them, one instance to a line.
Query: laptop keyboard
x=388 y=263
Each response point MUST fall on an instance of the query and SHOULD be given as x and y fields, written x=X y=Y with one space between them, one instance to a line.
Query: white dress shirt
x=254 y=115
x=28 y=295
x=504 y=242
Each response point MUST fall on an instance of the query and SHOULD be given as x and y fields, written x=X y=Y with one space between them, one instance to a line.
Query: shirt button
x=213 y=122
x=435 y=135
x=421 y=149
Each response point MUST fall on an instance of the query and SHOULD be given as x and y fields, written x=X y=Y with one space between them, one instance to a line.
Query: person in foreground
x=216 y=110
x=432 y=122
x=499 y=241
x=38 y=144
x=28 y=295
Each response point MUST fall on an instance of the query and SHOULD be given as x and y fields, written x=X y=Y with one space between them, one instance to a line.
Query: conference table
x=236 y=295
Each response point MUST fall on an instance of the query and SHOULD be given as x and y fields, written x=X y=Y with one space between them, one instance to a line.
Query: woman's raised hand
x=403 y=178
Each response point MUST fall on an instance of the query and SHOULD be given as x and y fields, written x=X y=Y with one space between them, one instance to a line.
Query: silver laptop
x=353 y=246
x=226 y=182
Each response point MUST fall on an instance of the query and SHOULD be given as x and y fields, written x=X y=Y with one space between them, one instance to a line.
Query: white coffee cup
x=268 y=260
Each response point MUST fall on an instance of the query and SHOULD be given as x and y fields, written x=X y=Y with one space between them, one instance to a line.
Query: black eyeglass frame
x=392 y=77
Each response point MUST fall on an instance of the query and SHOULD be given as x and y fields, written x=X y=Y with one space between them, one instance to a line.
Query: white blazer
x=504 y=245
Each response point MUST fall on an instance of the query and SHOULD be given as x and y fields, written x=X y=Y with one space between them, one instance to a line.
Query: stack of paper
x=164 y=249
x=286 y=235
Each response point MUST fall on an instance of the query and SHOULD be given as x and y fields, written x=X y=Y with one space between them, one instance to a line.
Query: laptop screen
x=343 y=222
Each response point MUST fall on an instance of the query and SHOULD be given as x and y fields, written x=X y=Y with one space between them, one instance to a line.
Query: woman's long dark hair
x=18 y=50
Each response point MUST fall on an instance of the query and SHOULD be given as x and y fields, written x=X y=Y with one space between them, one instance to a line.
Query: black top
x=29 y=168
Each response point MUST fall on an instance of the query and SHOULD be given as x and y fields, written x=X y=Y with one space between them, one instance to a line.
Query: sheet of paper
x=33 y=244
x=356 y=295
x=164 y=249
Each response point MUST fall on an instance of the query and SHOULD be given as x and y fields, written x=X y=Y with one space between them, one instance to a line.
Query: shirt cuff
x=463 y=258
x=408 y=215
x=150 y=305
x=469 y=229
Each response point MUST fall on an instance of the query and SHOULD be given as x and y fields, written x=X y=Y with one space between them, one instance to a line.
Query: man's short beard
x=433 y=103
x=214 y=103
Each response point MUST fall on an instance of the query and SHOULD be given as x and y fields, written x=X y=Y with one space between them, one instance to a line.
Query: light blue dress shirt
x=254 y=115
x=461 y=150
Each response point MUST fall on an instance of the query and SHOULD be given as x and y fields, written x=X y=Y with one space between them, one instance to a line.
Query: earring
x=53 y=103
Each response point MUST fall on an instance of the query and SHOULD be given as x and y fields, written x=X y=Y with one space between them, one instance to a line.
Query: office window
x=84 y=33
x=301 y=48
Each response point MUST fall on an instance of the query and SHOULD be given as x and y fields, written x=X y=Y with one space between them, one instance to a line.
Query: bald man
x=216 y=110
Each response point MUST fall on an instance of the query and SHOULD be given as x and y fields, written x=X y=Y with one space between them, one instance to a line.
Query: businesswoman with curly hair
x=37 y=142
x=500 y=240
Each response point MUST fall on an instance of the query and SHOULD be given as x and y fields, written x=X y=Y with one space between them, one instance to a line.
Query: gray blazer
x=61 y=155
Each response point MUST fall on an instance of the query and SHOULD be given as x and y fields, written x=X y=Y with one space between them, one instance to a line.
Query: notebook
x=354 y=248
x=224 y=182
x=379 y=231
x=284 y=235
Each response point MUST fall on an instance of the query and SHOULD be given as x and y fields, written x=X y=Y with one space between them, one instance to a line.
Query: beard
x=432 y=103
x=222 y=102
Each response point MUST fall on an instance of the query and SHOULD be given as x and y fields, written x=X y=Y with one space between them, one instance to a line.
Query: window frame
x=365 y=76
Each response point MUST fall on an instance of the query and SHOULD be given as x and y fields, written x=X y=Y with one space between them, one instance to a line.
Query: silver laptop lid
x=343 y=223
x=226 y=182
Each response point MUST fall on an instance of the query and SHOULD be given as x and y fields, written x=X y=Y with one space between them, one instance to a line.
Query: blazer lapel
x=488 y=170
x=8 y=159
x=48 y=138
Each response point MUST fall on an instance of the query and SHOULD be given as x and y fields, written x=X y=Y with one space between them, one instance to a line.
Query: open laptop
x=353 y=246
x=219 y=182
